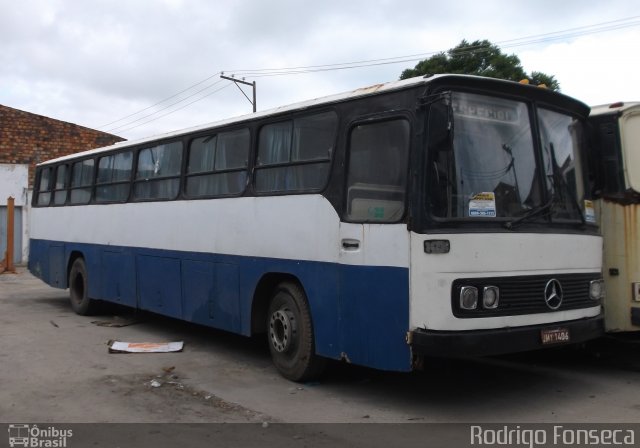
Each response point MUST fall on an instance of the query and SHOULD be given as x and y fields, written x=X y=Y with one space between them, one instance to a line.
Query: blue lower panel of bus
x=360 y=313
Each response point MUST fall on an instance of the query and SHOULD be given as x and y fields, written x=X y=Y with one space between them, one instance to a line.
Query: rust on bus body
x=619 y=224
x=369 y=89
x=631 y=241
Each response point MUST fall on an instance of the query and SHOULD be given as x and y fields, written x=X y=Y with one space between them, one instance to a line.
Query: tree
x=481 y=58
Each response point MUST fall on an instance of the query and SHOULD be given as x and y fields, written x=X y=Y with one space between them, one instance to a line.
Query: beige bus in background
x=616 y=157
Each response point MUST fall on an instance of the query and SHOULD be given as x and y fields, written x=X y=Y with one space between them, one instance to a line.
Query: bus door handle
x=350 y=244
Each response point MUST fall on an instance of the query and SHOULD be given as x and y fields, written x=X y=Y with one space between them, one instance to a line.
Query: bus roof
x=357 y=93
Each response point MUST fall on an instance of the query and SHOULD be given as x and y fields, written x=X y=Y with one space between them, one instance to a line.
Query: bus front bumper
x=504 y=340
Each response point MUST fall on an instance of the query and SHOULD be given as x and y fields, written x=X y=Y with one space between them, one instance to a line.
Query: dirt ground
x=55 y=367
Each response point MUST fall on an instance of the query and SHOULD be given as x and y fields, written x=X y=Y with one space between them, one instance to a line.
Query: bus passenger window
x=114 y=174
x=158 y=174
x=44 y=191
x=377 y=173
x=218 y=164
x=296 y=155
x=60 y=193
x=81 y=180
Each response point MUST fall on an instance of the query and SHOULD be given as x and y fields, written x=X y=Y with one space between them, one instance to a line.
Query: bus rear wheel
x=290 y=333
x=79 y=289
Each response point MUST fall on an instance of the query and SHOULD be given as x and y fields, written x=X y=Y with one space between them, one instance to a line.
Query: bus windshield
x=562 y=138
x=487 y=166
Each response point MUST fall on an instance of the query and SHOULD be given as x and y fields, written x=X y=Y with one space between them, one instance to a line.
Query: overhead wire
x=180 y=108
x=296 y=70
x=521 y=41
x=168 y=106
x=161 y=101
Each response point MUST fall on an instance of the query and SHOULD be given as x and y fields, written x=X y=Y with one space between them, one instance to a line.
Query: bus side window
x=114 y=174
x=81 y=181
x=377 y=173
x=296 y=155
x=218 y=164
x=158 y=175
x=60 y=193
x=44 y=190
x=612 y=178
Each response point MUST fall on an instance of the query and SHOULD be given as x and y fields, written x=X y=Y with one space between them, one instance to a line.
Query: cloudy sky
x=142 y=67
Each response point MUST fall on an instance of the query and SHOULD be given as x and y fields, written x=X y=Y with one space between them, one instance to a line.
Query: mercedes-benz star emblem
x=553 y=294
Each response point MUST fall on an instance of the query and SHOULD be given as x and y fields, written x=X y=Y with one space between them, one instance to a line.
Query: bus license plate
x=555 y=336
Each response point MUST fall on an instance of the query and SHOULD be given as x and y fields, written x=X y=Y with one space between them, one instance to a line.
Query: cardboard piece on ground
x=145 y=347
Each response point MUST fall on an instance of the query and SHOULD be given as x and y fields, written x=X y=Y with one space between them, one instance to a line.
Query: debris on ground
x=116 y=322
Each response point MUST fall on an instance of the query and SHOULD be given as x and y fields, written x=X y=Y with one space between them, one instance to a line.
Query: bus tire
x=290 y=334
x=79 y=289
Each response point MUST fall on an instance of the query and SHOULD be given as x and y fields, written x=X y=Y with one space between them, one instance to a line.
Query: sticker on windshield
x=483 y=205
x=589 y=211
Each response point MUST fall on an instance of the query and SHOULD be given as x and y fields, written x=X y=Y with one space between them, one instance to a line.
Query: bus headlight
x=490 y=297
x=468 y=297
x=596 y=289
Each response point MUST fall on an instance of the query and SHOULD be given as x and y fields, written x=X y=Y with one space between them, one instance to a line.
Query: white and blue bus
x=436 y=216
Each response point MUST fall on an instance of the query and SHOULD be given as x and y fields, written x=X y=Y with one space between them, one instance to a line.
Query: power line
x=161 y=101
x=285 y=71
x=521 y=41
x=165 y=107
x=585 y=27
x=176 y=110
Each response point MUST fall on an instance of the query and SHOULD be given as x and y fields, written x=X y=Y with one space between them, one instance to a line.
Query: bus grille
x=525 y=294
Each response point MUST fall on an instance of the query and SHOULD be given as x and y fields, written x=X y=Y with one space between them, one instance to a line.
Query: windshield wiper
x=559 y=186
x=533 y=213
x=558 y=178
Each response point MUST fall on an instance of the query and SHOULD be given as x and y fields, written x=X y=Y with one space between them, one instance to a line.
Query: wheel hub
x=282 y=329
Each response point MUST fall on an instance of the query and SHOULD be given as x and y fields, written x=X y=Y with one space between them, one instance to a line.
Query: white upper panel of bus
x=630 y=129
x=614 y=107
x=629 y=135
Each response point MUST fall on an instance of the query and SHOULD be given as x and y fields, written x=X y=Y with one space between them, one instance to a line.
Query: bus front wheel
x=79 y=289
x=290 y=333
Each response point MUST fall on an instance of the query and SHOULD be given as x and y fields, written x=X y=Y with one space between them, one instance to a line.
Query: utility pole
x=242 y=81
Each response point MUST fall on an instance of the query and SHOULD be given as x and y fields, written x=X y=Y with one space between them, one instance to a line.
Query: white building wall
x=14 y=182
